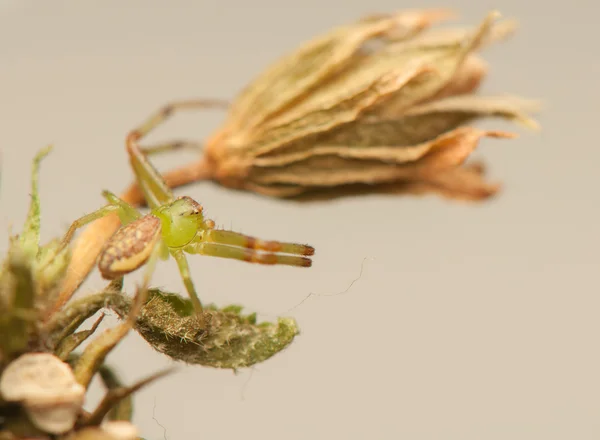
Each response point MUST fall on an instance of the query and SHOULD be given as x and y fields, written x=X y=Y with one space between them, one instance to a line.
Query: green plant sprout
x=174 y=227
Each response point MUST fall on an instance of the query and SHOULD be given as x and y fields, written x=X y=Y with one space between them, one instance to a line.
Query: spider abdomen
x=130 y=247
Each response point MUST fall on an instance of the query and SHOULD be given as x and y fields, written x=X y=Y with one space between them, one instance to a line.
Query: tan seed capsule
x=382 y=93
x=130 y=247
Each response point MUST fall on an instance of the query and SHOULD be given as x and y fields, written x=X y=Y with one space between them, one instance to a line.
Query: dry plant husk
x=385 y=100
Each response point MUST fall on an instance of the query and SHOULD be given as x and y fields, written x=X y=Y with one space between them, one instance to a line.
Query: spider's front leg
x=229 y=244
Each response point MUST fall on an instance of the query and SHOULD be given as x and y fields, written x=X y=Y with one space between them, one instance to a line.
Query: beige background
x=469 y=322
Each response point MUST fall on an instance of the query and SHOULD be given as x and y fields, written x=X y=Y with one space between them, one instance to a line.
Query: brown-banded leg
x=248 y=255
x=184 y=270
x=150 y=181
x=231 y=238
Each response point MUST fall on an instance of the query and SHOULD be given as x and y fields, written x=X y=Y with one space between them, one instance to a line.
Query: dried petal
x=405 y=139
x=446 y=151
x=508 y=107
x=295 y=76
x=467 y=79
x=465 y=183
x=446 y=56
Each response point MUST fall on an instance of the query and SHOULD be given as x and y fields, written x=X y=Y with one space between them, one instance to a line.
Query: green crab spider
x=174 y=227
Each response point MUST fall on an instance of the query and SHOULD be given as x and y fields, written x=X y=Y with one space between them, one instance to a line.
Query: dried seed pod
x=373 y=102
x=47 y=389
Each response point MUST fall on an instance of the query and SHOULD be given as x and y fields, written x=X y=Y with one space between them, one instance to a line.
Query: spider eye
x=190 y=212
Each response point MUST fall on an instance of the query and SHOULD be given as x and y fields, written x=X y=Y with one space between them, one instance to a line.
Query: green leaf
x=231 y=340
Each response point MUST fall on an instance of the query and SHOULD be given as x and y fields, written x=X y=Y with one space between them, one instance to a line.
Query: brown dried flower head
x=380 y=101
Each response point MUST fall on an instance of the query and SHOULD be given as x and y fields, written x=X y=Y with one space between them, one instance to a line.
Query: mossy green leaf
x=231 y=339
